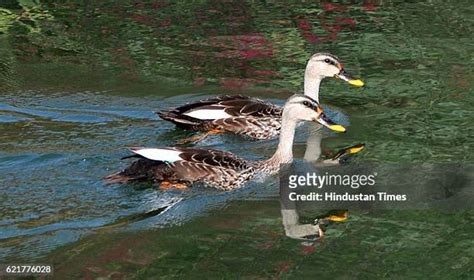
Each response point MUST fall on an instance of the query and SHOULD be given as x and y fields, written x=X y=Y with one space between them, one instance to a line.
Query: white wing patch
x=208 y=114
x=159 y=154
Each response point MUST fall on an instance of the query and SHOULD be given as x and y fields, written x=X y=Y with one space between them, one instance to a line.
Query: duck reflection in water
x=290 y=216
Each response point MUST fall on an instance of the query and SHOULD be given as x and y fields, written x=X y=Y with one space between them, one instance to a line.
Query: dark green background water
x=80 y=81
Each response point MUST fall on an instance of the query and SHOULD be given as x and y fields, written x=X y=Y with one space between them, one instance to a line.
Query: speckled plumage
x=250 y=117
x=213 y=168
x=218 y=169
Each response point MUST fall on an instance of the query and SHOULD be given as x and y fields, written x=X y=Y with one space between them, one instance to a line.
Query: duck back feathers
x=221 y=113
x=222 y=170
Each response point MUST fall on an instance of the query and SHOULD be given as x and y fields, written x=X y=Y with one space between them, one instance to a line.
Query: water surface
x=73 y=100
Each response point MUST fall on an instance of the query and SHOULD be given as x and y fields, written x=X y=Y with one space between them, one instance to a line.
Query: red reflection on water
x=305 y=27
x=346 y=20
x=155 y=5
x=332 y=28
x=333 y=25
x=308 y=249
x=370 y=8
x=254 y=53
x=265 y=73
x=331 y=7
x=165 y=23
x=311 y=38
x=282 y=267
x=304 y=24
x=143 y=19
x=266 y=245
x=371 y=5
x=247 y=46
x=243 y=52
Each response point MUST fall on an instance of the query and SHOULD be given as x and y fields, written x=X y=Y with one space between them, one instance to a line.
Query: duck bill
x=343 y=75
x=352 y=150
x=327 y=122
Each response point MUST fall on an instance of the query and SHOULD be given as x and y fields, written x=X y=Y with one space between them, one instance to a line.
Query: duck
x=180 y=167
x=248 y=116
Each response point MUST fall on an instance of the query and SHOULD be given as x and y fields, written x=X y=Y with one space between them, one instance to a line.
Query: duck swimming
x=179 y=167
x=248 y=116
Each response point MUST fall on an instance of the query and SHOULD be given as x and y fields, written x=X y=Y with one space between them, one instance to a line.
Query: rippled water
x=64 y=126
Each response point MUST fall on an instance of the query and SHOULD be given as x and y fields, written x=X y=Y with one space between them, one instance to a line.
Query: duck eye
x=306 y=103
x=327 y=60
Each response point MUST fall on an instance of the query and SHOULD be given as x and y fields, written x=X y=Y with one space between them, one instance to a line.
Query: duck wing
x=222 y=107
x=184 y=164
x=205 y=156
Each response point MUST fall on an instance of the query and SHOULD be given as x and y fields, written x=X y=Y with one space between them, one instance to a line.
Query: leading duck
x=179 y=167
x=250 y=116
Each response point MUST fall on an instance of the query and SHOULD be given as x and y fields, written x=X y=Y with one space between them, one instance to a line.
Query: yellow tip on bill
x=338 y=218
x=355 y=150
x=338 y=128
x=357 y=83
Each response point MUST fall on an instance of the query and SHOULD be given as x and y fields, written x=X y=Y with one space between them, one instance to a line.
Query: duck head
x=303 y=108
x=323 y=65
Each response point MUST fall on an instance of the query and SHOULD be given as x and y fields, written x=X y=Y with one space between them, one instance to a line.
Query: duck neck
x=284 y=152
x=311 y=85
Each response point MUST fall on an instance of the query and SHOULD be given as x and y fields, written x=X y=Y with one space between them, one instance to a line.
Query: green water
x=80 y=81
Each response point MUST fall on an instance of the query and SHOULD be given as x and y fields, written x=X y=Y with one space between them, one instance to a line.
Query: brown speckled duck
x=248 y=116
x=179 y=167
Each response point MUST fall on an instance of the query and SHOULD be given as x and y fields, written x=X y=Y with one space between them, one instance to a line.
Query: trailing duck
x=248 y=116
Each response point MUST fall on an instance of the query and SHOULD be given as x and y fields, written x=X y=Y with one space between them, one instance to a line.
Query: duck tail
x=117 y=178
x=178 y=119
x=139 y=170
